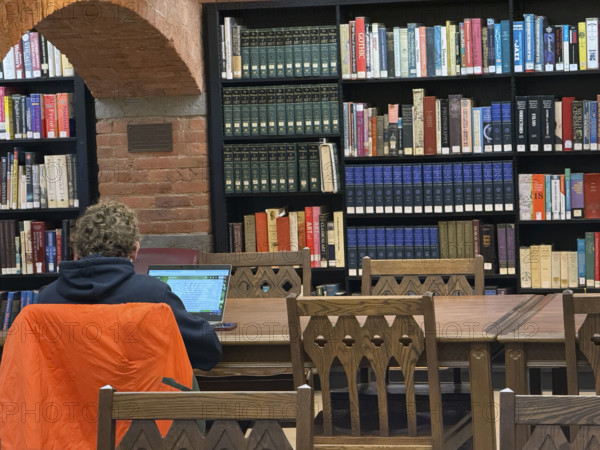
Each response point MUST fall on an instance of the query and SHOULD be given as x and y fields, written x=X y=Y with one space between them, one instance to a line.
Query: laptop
x=201 y=287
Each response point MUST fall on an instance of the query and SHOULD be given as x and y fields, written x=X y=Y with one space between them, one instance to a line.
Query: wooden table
x=466 y=326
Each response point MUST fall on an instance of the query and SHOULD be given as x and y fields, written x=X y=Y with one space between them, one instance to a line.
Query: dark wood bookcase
x=380 y=92
x=82 y=144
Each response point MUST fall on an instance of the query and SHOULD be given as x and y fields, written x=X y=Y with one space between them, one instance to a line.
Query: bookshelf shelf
x=48 y=213
x=459 y=78
x=279 y=138
x=272 y=81
x=441 y=216
x=428 y=158
x=557 y=290
x=46 y=141
x=283 y=194
x=541 y=223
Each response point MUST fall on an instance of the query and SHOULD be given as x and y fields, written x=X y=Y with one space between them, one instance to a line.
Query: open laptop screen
x=201 y=288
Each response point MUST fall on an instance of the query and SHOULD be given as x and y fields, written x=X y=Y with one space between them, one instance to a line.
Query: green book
x=303 y=175
x=314 y=167
x=282 y=167
x=245 y=162
x=334 y=108
x=333 y=51
x=237 y=169
x=290 y=110
x=298 y=110
x=227 y=112
x=245 y=52
x=443 y=239
x=245 y=110
x=589 y=259
x=288 y=52
x=254 y=57
x=325 y=108
x=263 y=173
x=271 y=53
x=254 y=167
x=279 y=53
x=292 y=166
x=262 y=53
x=315 y=104
x=253 y=100
x=236 y=115
x=306 y=51
x=271 y=105
x=261 y=96
x=324 y=49
x=315 y=52
x=273 y=168
x=228 y=169
x=281 y=110
x=297 y=50
x=308 y=110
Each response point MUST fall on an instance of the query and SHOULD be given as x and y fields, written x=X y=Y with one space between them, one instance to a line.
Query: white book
x=375 y=66
x=397 y=60
x=591 y=36
x=223 y=51
x=418 y=51
x=556 y=270
x=562 y=198
x=573 y=276
x=525 y=198
x=58 y=70
x=229 y=24
x=564 y=270
x=444 y=40
x=558 y=146
x=345 y=50
x=566 y=55
x=51 y=66
x=404 y=52
x=525 y=267
x=546 y=266
x=9 y=65
x=293 y=215
x=51 y=175
x=555 y=192
x=476 y=130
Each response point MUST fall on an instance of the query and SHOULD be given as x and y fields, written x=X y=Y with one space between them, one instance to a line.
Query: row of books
x=309 y=51
x=34 y=57
x=449 y=239
x=12 y=302
x=281 y=110
x=281 y=167
x=277 y=229
x=429 y=188
x=430 y=126
x=33 y=246
x=35 y=116
x=542 y=267
x=27 y=184
x=539 y=46
x=471 y=47
x=559 y=197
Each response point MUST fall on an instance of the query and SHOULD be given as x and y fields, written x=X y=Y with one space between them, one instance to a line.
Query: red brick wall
x=168 y=190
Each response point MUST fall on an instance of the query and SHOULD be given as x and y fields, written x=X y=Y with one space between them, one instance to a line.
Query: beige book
x=338 y=229
x=451 y=38
x=438 y=125
x=67 y=67
x=28 y=246
x=558 y=146
x=293 y=215
x=418 y=126
x=22 y=202
x=564 y=269
x=525 y=267
x=23 y=249
x=469 y=240
x=301 y=230
x=573 y=276
x=272 y=215
x=249 y=233
x=465 y=125
x=62 y=181
x=460 y=239
x=51 y=174
x=452 y=240
x=555 y=258
x=546 y=266
x=536 y=269
x=345 y=50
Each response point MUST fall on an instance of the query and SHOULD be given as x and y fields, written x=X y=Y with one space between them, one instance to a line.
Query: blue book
x=438 y=188
x=467 y=172
x=567 y=193
x=549 y=50
x=29 y=131
x=486 y=129
x=539 y=26
x=10 y=299
x=361 y=239
x=497 y=174
x=390 y=243
x=352 y=249
x=388 y=189
x=349 y=174
x=586 y=124
x=507 y=181
x=378 y=188
x=593 y=125
x=409 y=250
x=488 y=186
x=457 y=180
x=507 y=133
x=399 y=235
x=434 y=242
x=418 y=242
x=548 y=196
x=398 y=191
x=518 y=36
x=566 y=36
x=359 y=189
x=371 y=243
x=50 y=236
x=427 y=188
x=426 y=243
x=581 y=261
x=369 y=189
x=379 y=242
x=417 y=181
x=497 y=126
x=407 y=188
x=437 y=30
x=383 y=68
x=498 y=46
x=529 y=42
x=491 y=47
x=447 y=178
x=36 y=116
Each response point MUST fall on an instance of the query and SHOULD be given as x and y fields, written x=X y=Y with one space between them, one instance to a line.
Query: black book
x=533 y=123
x=547 y=124
x=521 y=120
x=445 y=125
x=454 y=124
x=578 y=125
x=44 y=57
x=488 y=248
x=407 y=129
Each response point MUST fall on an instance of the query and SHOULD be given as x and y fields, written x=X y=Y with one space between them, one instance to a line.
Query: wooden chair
x=166 y=255
x=225 y=408
x=347 y=343
x=265 y=274
x=548 y=413
x=387 y=270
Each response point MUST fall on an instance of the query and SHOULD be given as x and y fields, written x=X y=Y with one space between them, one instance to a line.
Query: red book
x=58 y=247
x=374 y=135
x=283 y=234
x=468 y=45
x=429 y=125
x=423 y=51
x=38 y=240
x=308 y=220
x=591 y=195
x=19 y=63
x=361 y=48
x=36 y=63
x=301 y=230
x=50 y=115
x=476 y=45
x=262 y=235
x=316 y=232
x=62 y=114
x=538 y=191
x=567 y=123
x=597 y=259
x=359 y=140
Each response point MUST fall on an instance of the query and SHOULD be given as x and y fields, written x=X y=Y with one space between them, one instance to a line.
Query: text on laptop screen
x=200 y=290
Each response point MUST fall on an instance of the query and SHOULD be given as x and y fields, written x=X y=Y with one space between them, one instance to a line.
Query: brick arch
x=121 y=48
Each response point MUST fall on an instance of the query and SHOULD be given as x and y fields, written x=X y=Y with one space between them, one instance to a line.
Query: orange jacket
x=56 y=357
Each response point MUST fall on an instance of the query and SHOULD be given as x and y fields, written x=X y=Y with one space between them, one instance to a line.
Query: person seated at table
x=105 y=241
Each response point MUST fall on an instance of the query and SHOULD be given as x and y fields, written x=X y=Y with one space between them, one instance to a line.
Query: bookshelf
x=380 y=92
x=81 y=143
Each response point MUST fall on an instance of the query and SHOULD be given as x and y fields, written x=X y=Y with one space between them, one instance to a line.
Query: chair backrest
x=387 y=270
x=61 y=354
x=381 y=344
x=587 y=338
x=265 y=274
x=548 y=413
x=225 y=408
x=164 y=255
